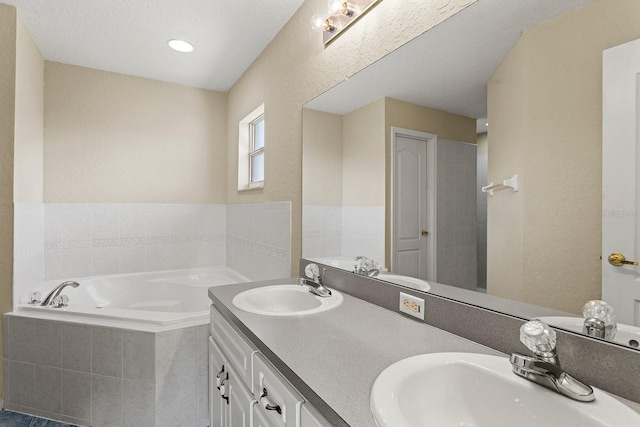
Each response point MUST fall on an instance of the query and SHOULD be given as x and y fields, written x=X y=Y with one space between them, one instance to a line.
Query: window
x=251 y=151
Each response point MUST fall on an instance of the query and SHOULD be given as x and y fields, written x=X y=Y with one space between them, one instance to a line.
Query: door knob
x=619 y=259
x=423 y=231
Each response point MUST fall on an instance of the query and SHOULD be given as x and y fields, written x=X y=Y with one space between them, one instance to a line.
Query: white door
x=413 y=204
x=620 y=180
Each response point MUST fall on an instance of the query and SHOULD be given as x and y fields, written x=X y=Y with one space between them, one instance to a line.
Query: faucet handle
x=539 y=338
x=600 y=316
x=34 y=298
x=312 y=271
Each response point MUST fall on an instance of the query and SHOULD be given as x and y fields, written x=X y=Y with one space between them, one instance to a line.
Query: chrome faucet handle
x=538 y=337
x=600 y=320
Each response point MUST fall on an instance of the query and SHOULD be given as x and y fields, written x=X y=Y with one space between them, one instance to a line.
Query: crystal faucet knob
x=312 y=271
x=600 y=311
x=35 y=298
x=539 y=338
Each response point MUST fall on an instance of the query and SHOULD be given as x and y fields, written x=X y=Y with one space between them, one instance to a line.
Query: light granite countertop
x=334 y=357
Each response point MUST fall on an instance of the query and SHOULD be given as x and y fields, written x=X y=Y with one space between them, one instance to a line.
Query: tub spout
x=56 y=291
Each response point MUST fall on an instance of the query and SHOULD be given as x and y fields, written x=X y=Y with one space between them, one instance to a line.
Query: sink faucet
x=544 y=366
x=599 y=320
x=49 y=299
x=314 y=281
x=366 y=267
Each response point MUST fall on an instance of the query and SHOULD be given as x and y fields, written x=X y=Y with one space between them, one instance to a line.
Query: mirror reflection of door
x=413 y=200
x=620 y=181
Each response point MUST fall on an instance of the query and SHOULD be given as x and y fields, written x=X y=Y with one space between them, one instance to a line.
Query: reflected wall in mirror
x=535 y=70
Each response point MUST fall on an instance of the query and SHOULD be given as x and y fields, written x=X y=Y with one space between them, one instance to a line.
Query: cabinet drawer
x=235 y=346
x=278 y=401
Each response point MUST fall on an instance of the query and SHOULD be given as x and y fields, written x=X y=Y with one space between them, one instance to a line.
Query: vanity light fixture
x=328 y=26
x=343 y=14
x=347 y=9
x=180 y=45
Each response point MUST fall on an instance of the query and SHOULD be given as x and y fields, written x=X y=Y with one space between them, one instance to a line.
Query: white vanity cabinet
x=245 y=390
x=278 y=402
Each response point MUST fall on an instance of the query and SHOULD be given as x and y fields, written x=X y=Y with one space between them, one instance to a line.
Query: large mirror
x=395 y=158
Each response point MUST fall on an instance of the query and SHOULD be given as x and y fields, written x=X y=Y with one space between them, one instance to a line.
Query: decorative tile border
x=131 y=241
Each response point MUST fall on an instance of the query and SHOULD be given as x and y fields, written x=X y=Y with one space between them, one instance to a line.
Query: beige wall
x=21 y=71
x=449 y=126
x=363 y=156
x=294 y=68
x=28 y=184
x=322 y=158
x=7 y=120
x=113 y=138
x=545 y=115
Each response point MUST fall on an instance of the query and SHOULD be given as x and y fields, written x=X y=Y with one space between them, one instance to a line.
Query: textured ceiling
x=129 y=36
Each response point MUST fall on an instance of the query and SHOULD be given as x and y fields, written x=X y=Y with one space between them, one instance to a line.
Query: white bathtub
x=158 y=298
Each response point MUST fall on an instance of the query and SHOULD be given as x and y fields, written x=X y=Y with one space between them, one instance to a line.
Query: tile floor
x=14 y=419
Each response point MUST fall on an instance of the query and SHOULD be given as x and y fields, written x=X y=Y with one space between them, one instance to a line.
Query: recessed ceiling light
x=180 y=45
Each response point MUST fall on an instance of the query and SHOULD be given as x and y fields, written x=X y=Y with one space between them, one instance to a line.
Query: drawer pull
x=266 y=403
x=219 y=378
x=223 y=389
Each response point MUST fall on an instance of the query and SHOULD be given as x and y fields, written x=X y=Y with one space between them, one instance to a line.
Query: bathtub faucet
x=49 y=300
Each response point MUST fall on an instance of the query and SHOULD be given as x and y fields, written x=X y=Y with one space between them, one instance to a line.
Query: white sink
x=409 y=282
x=626 y=334
x=476 y=390
x=285 y=300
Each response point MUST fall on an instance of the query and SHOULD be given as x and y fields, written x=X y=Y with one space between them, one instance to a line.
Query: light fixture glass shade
x=180 y=45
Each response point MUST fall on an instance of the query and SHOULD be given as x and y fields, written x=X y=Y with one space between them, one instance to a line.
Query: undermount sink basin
x=285 y=300
x=467 y=389
x=410 y=282
x=626 y=334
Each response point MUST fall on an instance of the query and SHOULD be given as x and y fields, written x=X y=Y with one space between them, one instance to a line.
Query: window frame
x=246 y=151
x=253 y=152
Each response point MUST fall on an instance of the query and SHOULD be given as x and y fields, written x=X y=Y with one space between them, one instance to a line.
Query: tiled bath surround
x=343 y=231
x=60 y=241
x=92 y=375
x=258 y=240
x=98 y=239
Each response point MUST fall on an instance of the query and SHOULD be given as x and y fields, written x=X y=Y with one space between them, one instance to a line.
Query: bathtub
x=173 y=297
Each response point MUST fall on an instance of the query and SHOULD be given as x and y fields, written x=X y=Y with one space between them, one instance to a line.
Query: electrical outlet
x=411 y=305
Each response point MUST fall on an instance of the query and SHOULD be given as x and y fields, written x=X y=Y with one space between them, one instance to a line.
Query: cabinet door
x=260 y=419
x=218 y=378
x=240 y=402
x=309 y=417
x=236 y=347
x=278 y=400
